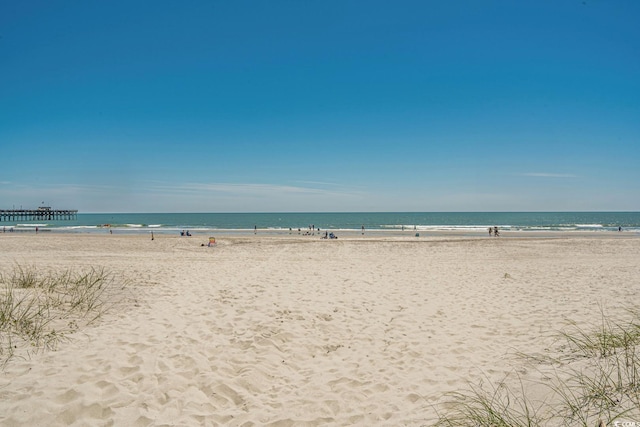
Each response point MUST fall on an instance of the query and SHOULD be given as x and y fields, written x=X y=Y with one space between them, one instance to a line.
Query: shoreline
x=307 y=232
x=393 y=222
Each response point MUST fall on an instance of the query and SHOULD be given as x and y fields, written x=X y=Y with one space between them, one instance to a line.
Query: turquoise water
x=421 y=221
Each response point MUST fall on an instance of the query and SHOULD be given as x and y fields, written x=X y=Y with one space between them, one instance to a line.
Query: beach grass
x=492 y=405
x=40 y=309
x=594 y=381
x=603 y=364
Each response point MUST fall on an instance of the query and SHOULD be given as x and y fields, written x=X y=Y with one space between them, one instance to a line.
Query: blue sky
x=259 y=106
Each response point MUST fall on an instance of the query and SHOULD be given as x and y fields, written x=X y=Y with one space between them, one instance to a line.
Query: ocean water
x=392 y=221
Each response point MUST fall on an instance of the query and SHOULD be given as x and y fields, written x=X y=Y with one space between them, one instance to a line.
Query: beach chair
x=212 y=241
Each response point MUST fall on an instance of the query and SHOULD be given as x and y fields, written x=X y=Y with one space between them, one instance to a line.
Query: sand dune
x=282 y=331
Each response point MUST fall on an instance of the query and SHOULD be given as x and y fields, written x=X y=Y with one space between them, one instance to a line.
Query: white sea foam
x=441 y=227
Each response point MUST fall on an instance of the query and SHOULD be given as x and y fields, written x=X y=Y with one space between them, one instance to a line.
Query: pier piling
x=40 y=214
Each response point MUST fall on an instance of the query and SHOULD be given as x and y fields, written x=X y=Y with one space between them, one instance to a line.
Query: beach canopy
x=212 y=241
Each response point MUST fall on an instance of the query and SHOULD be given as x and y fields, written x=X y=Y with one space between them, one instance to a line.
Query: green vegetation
x=594 y=380
x=37 y=311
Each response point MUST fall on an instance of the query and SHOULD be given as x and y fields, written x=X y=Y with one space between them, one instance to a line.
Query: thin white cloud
x=328 y=184
x=246 y=189
x=239 y=197
x=549 y=175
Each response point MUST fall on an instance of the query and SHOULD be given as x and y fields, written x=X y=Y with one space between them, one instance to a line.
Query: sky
x=331 y=106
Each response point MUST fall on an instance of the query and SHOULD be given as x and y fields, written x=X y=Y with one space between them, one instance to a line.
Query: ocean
x=392 y=221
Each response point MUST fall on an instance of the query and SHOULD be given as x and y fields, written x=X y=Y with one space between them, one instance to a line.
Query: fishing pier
x=43 y=213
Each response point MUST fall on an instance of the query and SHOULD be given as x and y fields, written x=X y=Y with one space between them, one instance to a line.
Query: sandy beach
x=295 y=330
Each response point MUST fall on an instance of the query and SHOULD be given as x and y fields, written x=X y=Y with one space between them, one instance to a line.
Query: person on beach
x=152 y=235
x=363 y=230
x=490 y=231
x=495 y=232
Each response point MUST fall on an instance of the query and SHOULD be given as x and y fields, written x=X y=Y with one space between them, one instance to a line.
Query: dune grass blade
x=40 y=310
x=498 y=406
x=595 y=379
